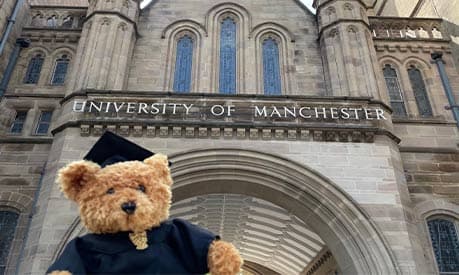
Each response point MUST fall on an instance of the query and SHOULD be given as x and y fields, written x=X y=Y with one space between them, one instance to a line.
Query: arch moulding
x=354 y=240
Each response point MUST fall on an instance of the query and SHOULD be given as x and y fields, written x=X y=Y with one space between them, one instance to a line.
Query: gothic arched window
x=60 y=70
x=445 y=243
x=183 y=65
x=8 y=223
x=34 y=69
x=420 y=92
x=227 y=83
x=395 y=92
x=271 y=67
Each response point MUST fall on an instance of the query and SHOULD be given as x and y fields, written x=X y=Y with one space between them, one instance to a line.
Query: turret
x=351 y=66
x=106 y=45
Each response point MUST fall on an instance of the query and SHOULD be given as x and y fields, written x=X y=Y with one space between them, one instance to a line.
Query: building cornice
x=171 y=95
x=229 y=130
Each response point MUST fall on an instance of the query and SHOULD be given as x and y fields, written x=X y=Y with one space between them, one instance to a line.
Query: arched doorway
x=318 y=204
x=271 y=240
x=345 y=228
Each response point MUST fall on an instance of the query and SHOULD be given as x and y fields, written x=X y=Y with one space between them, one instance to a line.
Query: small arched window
x=420 y=92
x=445 y=243
x=271 y=68
x=52 y=21
x=183 y=65
x=227 y=83
x=8 y=223
x=67 y=22
x=395 y=92
x=34 y=69
x=60 y=70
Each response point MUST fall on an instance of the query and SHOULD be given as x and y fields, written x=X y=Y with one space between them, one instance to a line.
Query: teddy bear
x=125 y=206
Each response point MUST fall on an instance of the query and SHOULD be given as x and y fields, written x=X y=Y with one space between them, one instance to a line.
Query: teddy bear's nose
x=129 y=207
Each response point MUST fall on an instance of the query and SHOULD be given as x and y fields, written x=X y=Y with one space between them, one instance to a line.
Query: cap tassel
x=140 y=240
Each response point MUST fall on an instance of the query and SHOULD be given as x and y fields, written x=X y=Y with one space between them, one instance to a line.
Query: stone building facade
x=318 y=143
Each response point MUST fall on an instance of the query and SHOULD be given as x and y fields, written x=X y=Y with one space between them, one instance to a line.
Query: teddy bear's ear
x=160 y=163
x=74 y=176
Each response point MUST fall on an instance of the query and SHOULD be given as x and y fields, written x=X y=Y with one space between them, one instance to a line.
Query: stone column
x=106 y=45
x=351 y=65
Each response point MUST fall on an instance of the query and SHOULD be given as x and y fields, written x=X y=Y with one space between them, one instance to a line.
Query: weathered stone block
x=151 y=131
x=176 y=131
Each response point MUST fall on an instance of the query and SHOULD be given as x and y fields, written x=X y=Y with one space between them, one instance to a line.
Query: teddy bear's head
x=127 y=196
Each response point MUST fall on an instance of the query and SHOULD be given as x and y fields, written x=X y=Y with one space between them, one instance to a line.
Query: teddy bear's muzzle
x=129 y=207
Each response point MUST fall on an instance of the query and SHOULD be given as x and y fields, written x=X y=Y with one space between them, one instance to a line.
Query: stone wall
x=21 y=167
x=52 y=43
x=161 y=21
x=368 y=168
x=6 y=8
x=366 y=172
x=432 y=176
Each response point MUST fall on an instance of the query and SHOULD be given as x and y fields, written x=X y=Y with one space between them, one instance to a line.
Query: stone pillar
x=351 y=65
x=106 y=45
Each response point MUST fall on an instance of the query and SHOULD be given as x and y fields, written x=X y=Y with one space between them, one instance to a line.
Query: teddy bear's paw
x=224 y=259
x=60 y=273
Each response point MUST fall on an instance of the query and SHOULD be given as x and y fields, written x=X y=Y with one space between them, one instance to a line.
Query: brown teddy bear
x=126 y=207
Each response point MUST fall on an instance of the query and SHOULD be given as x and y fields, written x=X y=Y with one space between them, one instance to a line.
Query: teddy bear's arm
x=69 y=262
x=224 y=259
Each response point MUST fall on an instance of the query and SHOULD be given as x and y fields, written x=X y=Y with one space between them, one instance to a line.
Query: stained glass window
x=420 y=92
x=445 y=244
x=33 y=71
x=18 y=123
x=60 y=70
x=271 y=70
x=183 y=65
x=8 y=222
x=43 y=123
x=227 y=81
x=395 y=92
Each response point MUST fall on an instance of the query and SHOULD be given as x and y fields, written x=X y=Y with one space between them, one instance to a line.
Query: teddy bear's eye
x=141 y=188
x=110 y=191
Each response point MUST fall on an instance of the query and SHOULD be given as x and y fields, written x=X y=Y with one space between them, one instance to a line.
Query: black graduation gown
x=176 y=247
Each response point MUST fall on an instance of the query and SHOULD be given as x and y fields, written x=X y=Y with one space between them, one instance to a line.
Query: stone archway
x=346 y=229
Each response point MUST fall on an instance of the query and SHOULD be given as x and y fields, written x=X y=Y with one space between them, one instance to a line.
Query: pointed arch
x=183 y=64
x=284 y=39
x=359 y=246
x=352 y=237
x=173 y=33
x=243 y=24
x=61 y=58
x=228 y=48
x=391 y=73
x=430 y=210
x=34 y=68
x=271 y=66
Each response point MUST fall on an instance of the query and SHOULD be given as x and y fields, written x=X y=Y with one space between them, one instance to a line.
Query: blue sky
x=308 y=3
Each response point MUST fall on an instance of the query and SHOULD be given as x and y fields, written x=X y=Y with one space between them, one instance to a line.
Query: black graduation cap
x=111 y=149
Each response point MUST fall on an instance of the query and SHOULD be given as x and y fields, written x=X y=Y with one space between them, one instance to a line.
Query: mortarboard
x=111 y=148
